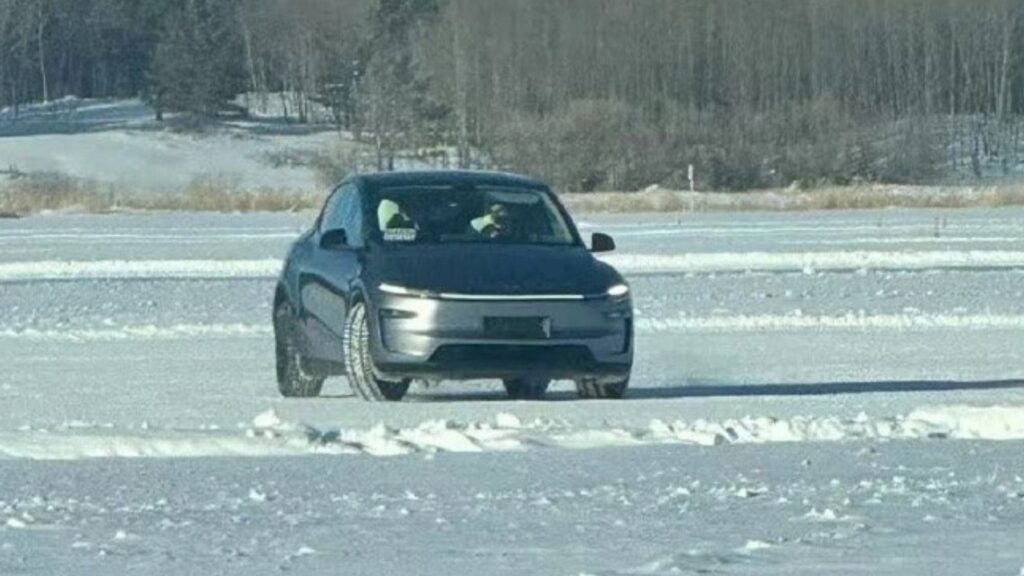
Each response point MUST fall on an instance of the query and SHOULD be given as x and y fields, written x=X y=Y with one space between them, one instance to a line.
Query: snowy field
x=837 y=393
x=118 y=142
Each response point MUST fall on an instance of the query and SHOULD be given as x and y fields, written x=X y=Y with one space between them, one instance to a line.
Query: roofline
x=373 y=179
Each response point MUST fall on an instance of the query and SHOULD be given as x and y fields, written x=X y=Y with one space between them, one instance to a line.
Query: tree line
x=587 y=93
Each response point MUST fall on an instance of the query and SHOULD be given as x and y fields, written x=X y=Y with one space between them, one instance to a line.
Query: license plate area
x=517 y=327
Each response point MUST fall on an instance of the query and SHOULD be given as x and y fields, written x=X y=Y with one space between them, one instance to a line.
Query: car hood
x=492 y=269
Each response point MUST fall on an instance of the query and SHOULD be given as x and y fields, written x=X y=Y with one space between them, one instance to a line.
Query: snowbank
x=270 y=436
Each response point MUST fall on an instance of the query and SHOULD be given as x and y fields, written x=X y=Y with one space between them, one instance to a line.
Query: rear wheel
x=526 y=388
x=292 y=380
x=362 y=376
x=591 y=388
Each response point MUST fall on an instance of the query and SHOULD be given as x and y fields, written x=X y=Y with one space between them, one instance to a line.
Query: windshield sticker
x=400 y=235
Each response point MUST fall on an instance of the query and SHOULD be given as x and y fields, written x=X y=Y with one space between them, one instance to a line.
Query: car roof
x=445 y=178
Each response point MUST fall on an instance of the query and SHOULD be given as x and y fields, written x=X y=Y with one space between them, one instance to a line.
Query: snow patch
x=850 y=320
x=809 y=262
x=142 y=332
x=128 y=269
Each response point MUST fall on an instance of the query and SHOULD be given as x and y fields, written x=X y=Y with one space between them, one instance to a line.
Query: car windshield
x=439 y=214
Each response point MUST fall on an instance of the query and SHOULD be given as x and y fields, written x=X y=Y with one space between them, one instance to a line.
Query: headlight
x=403 y=291
x=618 y=291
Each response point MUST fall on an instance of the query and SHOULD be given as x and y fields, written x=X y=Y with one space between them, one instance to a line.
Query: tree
x=395 y=104
x=197 y=63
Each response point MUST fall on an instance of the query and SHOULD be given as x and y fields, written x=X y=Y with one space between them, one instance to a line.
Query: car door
x=326 y=280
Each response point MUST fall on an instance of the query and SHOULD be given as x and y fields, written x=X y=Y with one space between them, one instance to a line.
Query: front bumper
x=437 y=338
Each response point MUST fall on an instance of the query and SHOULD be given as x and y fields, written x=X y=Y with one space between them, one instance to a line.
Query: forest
x=589 y=94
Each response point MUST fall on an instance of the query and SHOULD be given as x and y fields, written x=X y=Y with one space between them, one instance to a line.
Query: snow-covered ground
x=119 y=143
x=814 y=393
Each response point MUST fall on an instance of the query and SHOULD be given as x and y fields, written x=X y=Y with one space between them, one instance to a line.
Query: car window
x=333 y=216
x=440 y=214
x=352 y=215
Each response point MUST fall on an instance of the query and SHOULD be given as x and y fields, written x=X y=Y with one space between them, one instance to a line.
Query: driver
x=494 y=223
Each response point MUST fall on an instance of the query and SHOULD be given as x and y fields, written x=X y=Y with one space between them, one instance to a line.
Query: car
x=450 y=275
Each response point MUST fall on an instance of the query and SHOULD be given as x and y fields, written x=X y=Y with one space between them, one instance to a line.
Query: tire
x=528 y=388
x=593 y=389
x=362 y=376
x=292 y=380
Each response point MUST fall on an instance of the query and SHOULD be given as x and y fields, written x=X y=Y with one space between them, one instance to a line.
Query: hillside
x=118 y=143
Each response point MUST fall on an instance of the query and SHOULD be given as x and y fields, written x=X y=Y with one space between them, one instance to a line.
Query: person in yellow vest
x=393 y=222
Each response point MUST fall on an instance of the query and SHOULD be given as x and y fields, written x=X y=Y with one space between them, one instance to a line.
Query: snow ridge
x=127 y=269
x=269 y=435
x=644 y=325
x=860 y=320
x=141 y=332
x=814 y=261
x=628 y=263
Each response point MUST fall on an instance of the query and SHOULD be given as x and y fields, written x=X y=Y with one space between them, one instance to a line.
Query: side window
x=333 y=216
x=352 y=215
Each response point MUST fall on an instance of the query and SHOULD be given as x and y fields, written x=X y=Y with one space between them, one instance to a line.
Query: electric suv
x=450 y=275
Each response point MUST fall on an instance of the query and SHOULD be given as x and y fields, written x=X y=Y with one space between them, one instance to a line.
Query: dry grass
x=221 y=194
x=854 y=197
x=41 y=192
x=34 y=193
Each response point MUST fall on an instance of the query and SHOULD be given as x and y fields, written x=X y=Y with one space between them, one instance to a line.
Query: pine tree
x=197 y=64
x=395 y=98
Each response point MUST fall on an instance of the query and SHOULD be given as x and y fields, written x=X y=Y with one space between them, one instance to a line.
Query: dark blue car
x=450 y=276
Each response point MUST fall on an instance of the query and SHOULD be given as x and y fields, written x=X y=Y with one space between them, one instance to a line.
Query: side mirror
x=601 y=243
x=334 y=240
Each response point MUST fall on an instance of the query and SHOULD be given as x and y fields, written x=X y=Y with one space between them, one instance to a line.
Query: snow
x=63 y=270
x=811 y=262
x=806 y=262
x=118 y=142
x=814 y=393
x=141 y=332
x=270 y=436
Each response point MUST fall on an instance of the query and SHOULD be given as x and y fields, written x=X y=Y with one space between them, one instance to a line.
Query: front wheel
x=529 y=388
x=292 y=380
x=362 y=376
x=592 y=388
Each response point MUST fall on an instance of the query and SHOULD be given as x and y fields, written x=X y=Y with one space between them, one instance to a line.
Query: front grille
x=517 y=328
x=512 y=354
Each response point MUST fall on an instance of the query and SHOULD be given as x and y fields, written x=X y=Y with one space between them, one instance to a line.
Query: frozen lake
x=882 y=344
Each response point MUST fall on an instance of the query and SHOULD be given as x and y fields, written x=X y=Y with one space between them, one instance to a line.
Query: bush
x=606 y=144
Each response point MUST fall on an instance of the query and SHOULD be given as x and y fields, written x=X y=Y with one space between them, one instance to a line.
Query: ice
x=809 y=391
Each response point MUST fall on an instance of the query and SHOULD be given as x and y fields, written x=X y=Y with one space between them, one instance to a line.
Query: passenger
x=390 y=216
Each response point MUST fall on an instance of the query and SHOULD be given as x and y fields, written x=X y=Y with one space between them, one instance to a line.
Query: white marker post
x=693 y=199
